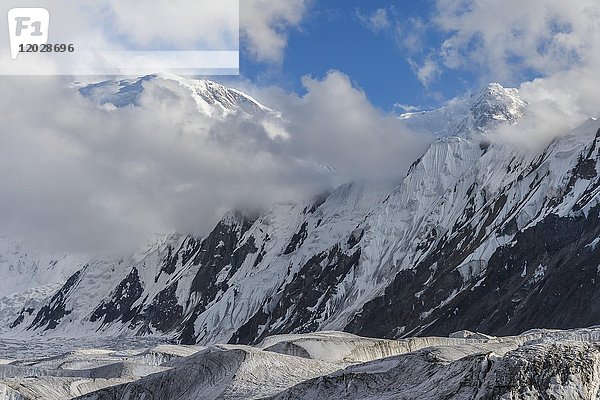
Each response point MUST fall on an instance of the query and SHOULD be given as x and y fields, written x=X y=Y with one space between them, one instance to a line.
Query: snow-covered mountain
x=212 y=99
x=29 y=277
x=25 y=268
x=479 y=235
x=471 y=114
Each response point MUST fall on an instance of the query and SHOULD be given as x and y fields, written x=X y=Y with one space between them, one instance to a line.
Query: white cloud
x=79 y=177
x=508 y=38
x=377 y=21
x=185 y=24
x=335 y=124
x=427 y=72
x=262 y=26
x=406 y=108
x=265 y=25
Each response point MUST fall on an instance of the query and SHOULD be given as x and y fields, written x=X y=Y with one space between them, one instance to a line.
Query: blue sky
x=333 y=36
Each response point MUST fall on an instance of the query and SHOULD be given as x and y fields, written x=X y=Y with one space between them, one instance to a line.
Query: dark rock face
x=52 y=313
x=547 y=277
x=120 y=306
x=162 y=314
x=170 y=263
x=302 y=301
x=586 y=169
x=220 y=250
x=297 y=240
x=19 y=320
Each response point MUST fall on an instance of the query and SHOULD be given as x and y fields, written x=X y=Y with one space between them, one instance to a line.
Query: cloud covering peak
x=97 y=173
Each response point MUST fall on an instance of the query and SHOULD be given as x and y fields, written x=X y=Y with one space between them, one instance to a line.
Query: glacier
x=323 y=365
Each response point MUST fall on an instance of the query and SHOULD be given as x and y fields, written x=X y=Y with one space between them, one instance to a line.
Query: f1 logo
x=27 y=26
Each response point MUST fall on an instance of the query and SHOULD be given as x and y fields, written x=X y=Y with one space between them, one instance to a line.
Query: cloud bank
x=87 y=178
x=509 y=39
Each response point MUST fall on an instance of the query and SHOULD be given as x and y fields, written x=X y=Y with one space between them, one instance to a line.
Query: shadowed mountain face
x=478 y=235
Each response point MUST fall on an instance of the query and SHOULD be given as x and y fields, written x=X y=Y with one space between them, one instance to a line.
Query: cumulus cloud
x=88 y=178
x=265 y=25
x=509 y=38
x=335 y=124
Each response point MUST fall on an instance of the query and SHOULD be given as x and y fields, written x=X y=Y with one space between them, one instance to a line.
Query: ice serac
x=498 y=368
x=322 y=365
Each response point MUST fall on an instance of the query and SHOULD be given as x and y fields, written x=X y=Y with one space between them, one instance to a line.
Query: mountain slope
x=517 y=237
x=480 y=235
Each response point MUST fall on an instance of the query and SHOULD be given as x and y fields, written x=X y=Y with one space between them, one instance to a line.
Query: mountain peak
x=213 y=99
x=239 y=217
x=496 y=104
x=475 y=113
x=495 y=87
